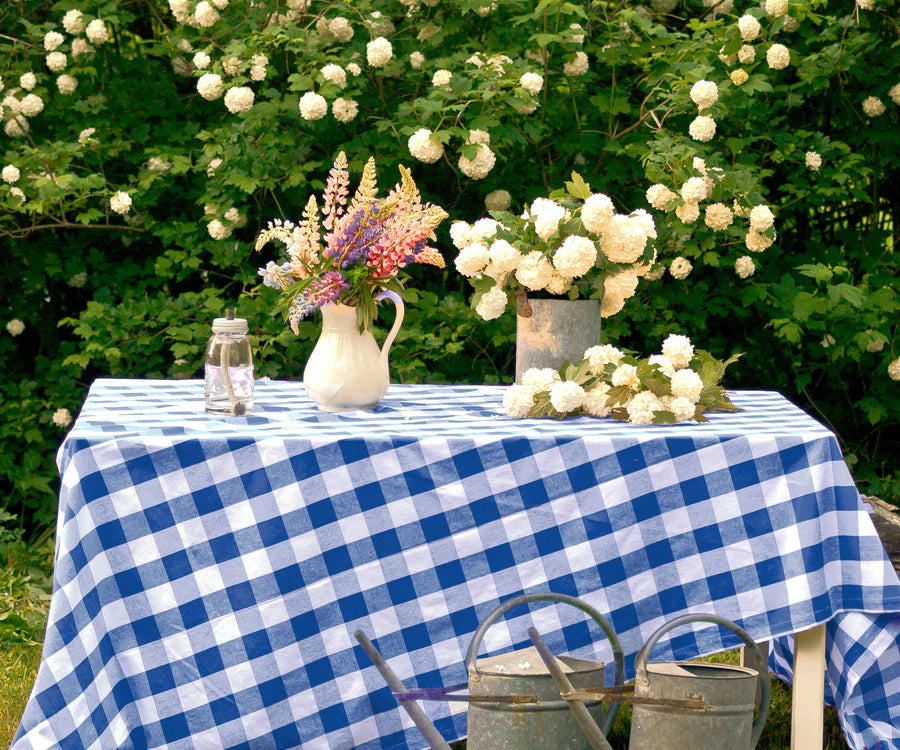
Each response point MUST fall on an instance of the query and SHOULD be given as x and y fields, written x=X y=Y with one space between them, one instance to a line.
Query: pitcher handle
x=398 y=320
x=640 y=663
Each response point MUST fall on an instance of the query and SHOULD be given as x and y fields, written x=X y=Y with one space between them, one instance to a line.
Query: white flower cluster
x=778 y=57
x=749 y=27
x=441 y=77
x=744 y=267
x=813 y=160
x=704 y=94
x=379 y=52
x=344 y=110
x=209 y=86
x=577 y=66
x=893 y=369
x=15 y=327
x=738 y=76
x=478 y=167
x=498 y=200
x=703 y=128
x=335 y=74
x=425 y=147
x=120 y=202
x=239 y=99
x=873 y=106
x=313 y=106
x=532 y=82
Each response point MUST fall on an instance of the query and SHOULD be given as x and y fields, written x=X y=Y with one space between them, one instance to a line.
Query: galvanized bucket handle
x=618 y=655
x=640 y=663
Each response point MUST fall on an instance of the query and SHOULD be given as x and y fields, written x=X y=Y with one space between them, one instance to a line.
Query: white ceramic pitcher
x=346 y=370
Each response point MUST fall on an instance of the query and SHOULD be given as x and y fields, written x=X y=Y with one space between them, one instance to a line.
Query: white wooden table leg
x=808 y=708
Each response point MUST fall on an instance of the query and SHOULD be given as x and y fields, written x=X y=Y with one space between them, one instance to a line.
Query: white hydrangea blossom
x=875 y=343
x=10 y=174
x=680 y=268
x=566 y=396
x=617 y=288
x=776 y=8
x=16 y=127
x=441 y=77
x=744 y=267
x=96 y=32
x=62 y=418
x=595 y=401
x=718 y=217
x=312 y=106
x=749 y=27
x=558 y=283
x=425 y=147
x=479 y=136
x=761 y=218
x=893 y=369
x=601 y=355
x=704 y=94
x=66 y=84
x=678 y=350
x=873 y=106
x=344 y=110
x=239 y=99
x=738 y=76
x=234 y=216
x=231 y=65
x=336 y=74
x=73 y=22
x=52 y=40
x=703 y=128
x=205 y=15
x=480 y=166
x=694 y=189
x=746 y=54
x=518 y=401
x=354 y=69
x=27 y=81
x=757 y=241
x=461 y=234
x=642 y=407
x=625 y=238
x=209 y=86
x=472 y=259
x=540 y=378
x=201 y=61
x=813 y=160
x=790 y=24
x=596 y=212
x=532 y=82
x=894 y=93
x=498 y=200
x=688 y=212
x=547 y=215
x=534 y=271
x=15 y=327
x=379 y=52
x=258 y=72
x=778 y=57
x=56 y=61
x=31 y=105
x=340 y=29
x=682 y=408
x=217 y=230
x=416 y=59
x=663 y=363
x=660 y=197
x=575 y=257
x=156 y=164
x=504 y=257
x=578 y=66
x=626 y=375
x=120 y=202
x=80 y=47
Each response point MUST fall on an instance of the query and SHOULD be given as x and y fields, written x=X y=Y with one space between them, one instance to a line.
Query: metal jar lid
x=230 y=324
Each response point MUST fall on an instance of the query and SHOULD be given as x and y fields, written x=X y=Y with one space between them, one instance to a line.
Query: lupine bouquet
x=680 y=384
x=366 y=244
x=573 y=244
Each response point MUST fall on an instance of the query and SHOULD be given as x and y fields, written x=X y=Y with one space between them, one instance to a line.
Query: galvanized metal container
x=729 y=693
x=556 y=331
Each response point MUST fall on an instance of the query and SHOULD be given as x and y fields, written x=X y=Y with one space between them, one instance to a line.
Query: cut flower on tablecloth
x=572 y=244
x=680 y=384
x=365 y=246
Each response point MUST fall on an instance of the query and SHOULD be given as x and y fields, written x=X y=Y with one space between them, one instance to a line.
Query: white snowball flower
x=425 y=147
x=600 y=355
x=688 y=212
x=120 y=202
x=778 y=57
x=56 y=61
x=749 y=28
x=313 y=106
x=31 y=105
x=73 y=22
x=718 y=217
x=566 y=396
x=678 y=350
x=492 y=303
x=761 y=218
x=534 y=271
x=738 y=76
x=231 y=65
x=776 y=8
x=478 y=167
x=577 y=66
x=15 y=327
x=873 y=106
x=660 y=197
x=258 y=72
x=687 y=384
x=416 y=59
x=744 y=267
x=813 y=160
x=597 y=212
x=62 y=418
x=52 y=40
x=682 y=408
x=894 y=93
x=201 y=61
x=757 y=241
x=484 y=229
x=875 y=342
x=10 y=174
x=624 y=239
x=220 y=4
x=239 y=99
x=336 y=74
x=17 y=192
x=680 y=268
x=66 y=84
x=479 y=136
x=472 y=259
x=504 y=258
x=540 y=378
x=27 y=81
x=704 y=94
x=498 y=200
x=746 y=54
x=354 y=69
x=217 y=230
x=379 y=52
x=694 y=189
x=703 y=128
x=97 y=32
x=532 y=82
x=344 y=110
x=642 y=406
x=16 y=127
x=461 y=234
x=575 y=257
x=518 y=401
x=894 y=369
x=205 y=15
x=209 y=86
x=547 y=215
x=441 y=77
x=595 y=401
x=663 y=363
x=340 y=29
x=80 y=47
x=626 y=375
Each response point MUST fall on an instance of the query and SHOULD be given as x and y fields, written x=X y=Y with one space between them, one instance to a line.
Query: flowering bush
x=573 y=244
x=679 y=385
x=367 y=244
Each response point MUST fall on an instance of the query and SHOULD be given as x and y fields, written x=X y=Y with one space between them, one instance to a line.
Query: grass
x=19 y=662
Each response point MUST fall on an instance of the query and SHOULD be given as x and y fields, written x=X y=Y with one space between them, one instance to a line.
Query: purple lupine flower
x=327 y=289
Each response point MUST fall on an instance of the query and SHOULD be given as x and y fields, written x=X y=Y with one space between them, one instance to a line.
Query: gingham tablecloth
x=210 y=572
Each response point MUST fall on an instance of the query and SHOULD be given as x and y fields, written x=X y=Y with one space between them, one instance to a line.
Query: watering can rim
x=669 y=668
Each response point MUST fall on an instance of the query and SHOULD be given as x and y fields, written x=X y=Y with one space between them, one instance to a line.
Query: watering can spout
x=398 y=321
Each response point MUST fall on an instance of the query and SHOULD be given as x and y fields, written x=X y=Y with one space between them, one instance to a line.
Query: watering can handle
x=640 y=663
x=398 y=320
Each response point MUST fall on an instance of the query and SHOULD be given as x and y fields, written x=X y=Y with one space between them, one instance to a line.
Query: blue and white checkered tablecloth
x=210 y=572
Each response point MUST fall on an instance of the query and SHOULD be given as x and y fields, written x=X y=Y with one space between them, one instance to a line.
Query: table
x=210 y=571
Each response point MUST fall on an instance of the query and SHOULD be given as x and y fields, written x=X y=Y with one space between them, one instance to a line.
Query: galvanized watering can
x=514 y=701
